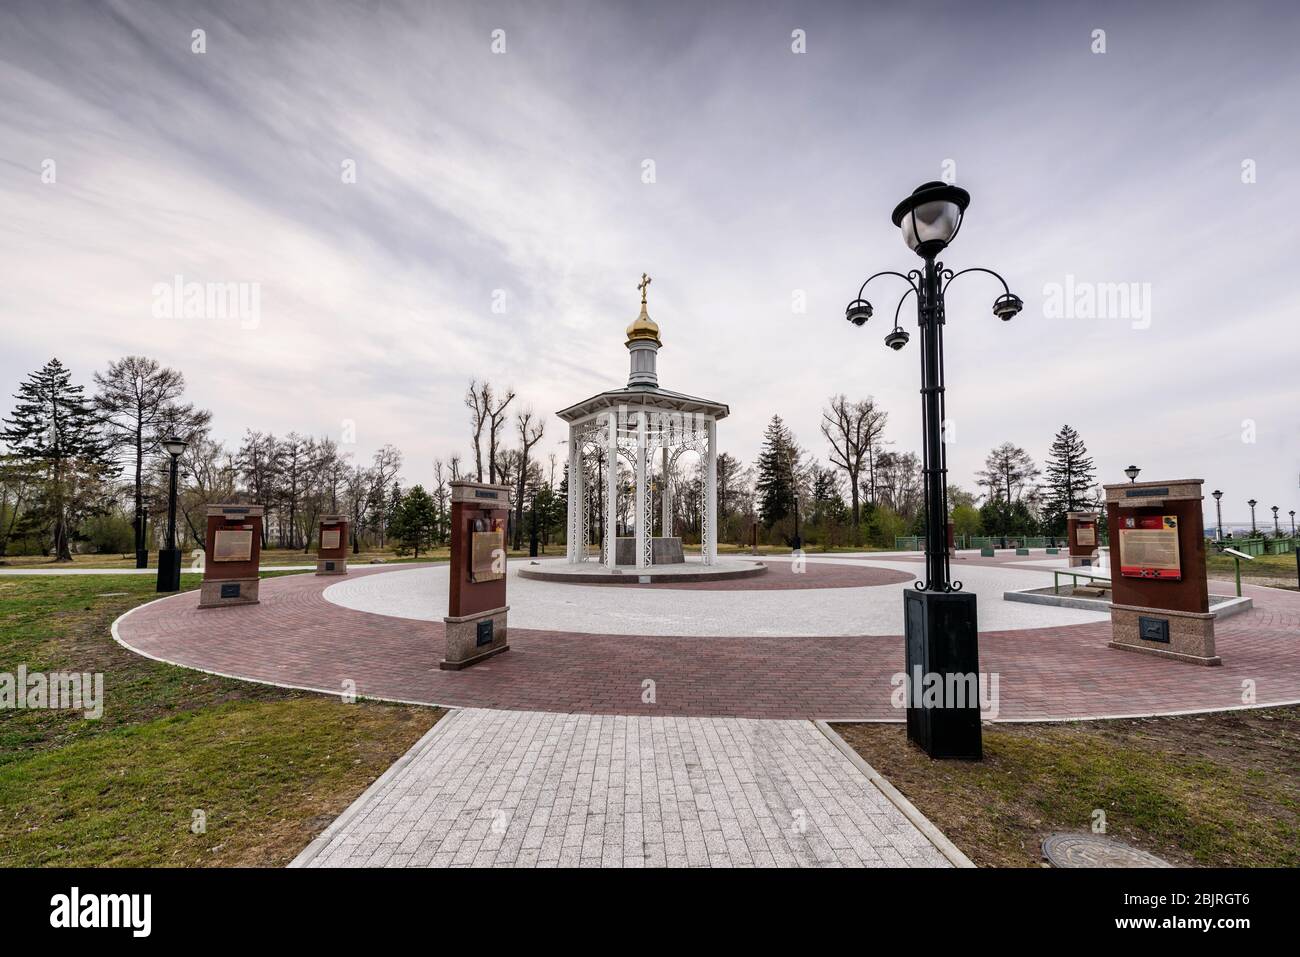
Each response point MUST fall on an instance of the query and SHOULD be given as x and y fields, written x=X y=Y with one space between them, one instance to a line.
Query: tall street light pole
x=1253 y=530
x=1277 y=531
x=1292 y=514
x=169 y=558
x=939 y=618
x=1218 y=511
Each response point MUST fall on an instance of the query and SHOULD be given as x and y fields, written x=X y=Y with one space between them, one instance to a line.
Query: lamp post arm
x=899 y=310
x=890 y=272
x=949 y=276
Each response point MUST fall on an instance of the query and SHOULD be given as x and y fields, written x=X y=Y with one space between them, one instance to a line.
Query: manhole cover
x=1093 y=850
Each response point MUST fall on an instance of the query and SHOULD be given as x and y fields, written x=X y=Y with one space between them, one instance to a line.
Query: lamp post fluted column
x=1253 y=530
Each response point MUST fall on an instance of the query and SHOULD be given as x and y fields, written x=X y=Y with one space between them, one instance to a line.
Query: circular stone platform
x=711 y=651
x=592 y=573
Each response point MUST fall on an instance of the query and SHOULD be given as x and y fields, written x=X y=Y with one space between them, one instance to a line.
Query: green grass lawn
x=1279 y=567
x=1214 y=790
x=268 y=768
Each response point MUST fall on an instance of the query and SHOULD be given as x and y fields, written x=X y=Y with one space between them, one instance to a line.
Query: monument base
x=1082 y=561
x=663 y=551
x=331 y=566
x=1180 y=635
x=472 y=638
x=231 y=591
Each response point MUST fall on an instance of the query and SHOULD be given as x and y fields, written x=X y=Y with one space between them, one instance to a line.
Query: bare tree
x=530 y=433
x=1007 y=470
x=138 y=400
x=853 y=429
x=478 y=399
x=496 y=420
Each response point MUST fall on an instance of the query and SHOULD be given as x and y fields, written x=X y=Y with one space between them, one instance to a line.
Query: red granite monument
x=1081 y=527
x=476 y=614
x=232 y=554
x=1160 y=597
x=332 y=545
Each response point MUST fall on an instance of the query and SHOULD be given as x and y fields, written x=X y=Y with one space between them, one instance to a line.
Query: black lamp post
x=1253 y=530
x=141 y=524
x=169 y=558
x=1292 y=514
x=1218 y=511
x=1277 y=532
x=1132 y=473
x=939 y=618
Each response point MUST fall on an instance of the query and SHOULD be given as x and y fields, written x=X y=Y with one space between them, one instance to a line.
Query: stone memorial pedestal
x=1160 y=598
x=476 y=620
x=332 y=545
x=233 y=552
x=664 y=551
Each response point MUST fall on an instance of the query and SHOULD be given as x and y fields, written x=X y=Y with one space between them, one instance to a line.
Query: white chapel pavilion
x=648 y=428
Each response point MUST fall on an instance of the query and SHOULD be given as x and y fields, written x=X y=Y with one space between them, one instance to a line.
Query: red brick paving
x=297 y=638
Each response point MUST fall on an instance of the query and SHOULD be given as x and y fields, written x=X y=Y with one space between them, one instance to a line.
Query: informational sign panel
x=1086 y=534
x=329 y=538
x=487 y=551
x=1148 y=547
x=233 y=545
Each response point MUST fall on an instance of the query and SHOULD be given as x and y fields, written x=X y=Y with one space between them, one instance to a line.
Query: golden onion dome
x=643 y=327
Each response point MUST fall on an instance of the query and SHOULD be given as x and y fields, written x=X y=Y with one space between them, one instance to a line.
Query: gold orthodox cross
x=643 y=285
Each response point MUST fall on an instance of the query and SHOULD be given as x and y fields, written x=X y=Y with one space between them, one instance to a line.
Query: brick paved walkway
x=295 y=637
x=521 y=788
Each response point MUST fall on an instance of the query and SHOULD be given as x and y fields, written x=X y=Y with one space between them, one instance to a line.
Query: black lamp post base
x=943 y=706
x=142 y=558
x=169 y=569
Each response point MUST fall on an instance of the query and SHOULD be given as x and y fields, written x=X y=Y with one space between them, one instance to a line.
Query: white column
x=577 y=499
x=642 y=493
x=709 y=545
x=667 y=522
x=611 y=494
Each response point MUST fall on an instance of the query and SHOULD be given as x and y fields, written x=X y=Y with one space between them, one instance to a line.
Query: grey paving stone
x=524 y=789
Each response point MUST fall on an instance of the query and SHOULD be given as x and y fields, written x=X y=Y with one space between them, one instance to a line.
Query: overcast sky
x=774 y=176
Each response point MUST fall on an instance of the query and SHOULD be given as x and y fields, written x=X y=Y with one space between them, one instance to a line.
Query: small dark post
x=169 y=558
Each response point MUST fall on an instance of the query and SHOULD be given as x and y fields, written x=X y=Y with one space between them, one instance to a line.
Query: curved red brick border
x=296 y=638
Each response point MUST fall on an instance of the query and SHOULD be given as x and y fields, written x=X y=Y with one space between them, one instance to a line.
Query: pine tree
x=54 y=428
x=1070 y=479
x=777 y=473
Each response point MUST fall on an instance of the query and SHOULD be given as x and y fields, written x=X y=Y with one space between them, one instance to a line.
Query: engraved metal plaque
x=1153 y=629
x=1086 y=534
x=329 y=538
x=230 y=590
x=1149 y=553
x=233 y=545
x=483 y=633
x=487 y=558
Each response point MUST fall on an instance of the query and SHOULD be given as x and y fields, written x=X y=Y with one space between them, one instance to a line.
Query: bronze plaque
x=1149 y=552
x=487 y=559
x=329 y=538
x=1086 y=534
x=233 y=545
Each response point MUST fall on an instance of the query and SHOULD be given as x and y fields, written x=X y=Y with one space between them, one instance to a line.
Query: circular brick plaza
x=750 y=648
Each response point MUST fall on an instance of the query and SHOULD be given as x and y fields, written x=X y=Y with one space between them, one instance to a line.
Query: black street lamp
x=1253 y=530
x=1277 y=532
x=1292 y=514
x=141 y=525
x=1132 y=473
x=169 y=558
x=1218 y=511
x=939 y=618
